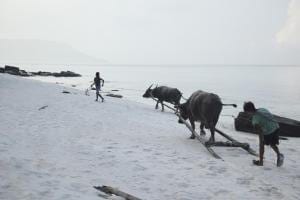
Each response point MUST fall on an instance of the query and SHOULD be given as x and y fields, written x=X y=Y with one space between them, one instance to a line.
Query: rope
x=183 y=97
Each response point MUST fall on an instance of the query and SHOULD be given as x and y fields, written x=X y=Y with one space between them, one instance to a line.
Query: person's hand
x=257 y=163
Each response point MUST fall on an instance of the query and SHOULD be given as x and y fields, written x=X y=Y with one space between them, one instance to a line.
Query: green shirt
x=265 y=120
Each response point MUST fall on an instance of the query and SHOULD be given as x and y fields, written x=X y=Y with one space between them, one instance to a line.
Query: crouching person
x=265 y=124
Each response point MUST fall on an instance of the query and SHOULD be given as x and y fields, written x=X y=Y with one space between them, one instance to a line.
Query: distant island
x=13 y=70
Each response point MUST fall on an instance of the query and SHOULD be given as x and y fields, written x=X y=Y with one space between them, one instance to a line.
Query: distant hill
x=42 y=52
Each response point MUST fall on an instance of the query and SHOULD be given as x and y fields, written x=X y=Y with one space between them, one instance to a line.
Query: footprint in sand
x=292 y=150
x=244 y=180
x=147 y=150
x=202 y=166
x=221 y=192
x=217 y=169
x=139 y=168
x=44 y=193
x=128 y=152
x=6 y=187
x=170 y=175
x=145 y=189
x=183 y=185
x=267 y=168
x=157 y=154
x=211 y=162
x=135 y=146
x=271 y=191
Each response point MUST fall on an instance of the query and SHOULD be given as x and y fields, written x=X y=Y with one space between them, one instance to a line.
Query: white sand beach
x=58 y=146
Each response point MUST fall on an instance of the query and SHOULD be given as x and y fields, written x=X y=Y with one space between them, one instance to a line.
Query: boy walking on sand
x=97 y=83
x=264 y=122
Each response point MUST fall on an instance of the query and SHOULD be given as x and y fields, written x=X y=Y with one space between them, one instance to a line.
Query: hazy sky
x=162 y=31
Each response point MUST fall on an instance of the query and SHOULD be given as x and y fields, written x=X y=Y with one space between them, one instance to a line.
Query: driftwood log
x=43 y=107
x=114 y=95
x=115 y=191
x=66 y=92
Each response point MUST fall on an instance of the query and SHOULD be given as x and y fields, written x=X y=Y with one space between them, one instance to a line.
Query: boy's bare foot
x=257 y=163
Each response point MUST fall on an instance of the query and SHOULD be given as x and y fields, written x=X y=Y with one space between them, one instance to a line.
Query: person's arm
x=93 y=84
x=102 y=81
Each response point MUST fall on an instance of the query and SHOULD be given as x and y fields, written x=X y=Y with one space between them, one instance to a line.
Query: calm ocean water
x=274 y=87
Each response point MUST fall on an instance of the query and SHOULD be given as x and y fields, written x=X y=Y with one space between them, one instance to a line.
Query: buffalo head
x=147 y=93
x=183 y=111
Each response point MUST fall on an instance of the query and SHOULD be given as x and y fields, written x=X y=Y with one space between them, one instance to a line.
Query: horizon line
x=136 y=65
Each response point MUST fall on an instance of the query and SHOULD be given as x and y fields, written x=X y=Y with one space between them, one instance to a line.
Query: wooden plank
x=245 y=147
x=201 y=139
x=115 y=191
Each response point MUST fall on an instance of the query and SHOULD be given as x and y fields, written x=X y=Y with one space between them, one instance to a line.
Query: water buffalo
x=164 y=93
x=204 y=107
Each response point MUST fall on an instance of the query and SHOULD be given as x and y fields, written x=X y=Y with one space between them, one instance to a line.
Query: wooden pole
x=201 y=139
x=115 y=191
x=164 y=104
x=245 y=146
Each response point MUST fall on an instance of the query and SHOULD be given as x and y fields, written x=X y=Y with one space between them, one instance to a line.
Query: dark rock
x=66 y=92
x=114 y=95
x=16 y=71
x=12 y=70
x=41 y=73
x=66 y=74
x=24 y=73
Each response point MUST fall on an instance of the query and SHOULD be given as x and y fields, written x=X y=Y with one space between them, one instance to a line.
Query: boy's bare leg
x=260 y=162
x=100 y=97
x=275 y=148
x=280 y=156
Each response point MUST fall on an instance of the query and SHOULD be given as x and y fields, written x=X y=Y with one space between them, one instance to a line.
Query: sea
x=276 y=88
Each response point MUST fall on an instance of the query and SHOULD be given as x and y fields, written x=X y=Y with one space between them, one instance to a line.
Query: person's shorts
x=272 y=139
x=98 y=89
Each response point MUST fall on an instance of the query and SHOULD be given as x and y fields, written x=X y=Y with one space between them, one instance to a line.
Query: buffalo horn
x=150 y=86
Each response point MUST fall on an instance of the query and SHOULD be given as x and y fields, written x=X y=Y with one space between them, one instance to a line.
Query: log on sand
x=115 y=191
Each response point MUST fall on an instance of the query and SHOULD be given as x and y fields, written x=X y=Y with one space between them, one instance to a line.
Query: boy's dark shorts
x=272 y=139
x=98 y=89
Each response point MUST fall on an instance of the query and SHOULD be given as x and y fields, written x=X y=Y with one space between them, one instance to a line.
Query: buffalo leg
x=212 y=131
x=162 y=106
x=156 y=106
x=202 y=132
x=193 y=127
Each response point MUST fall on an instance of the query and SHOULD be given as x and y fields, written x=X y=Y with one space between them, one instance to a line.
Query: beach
x=58 y=146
